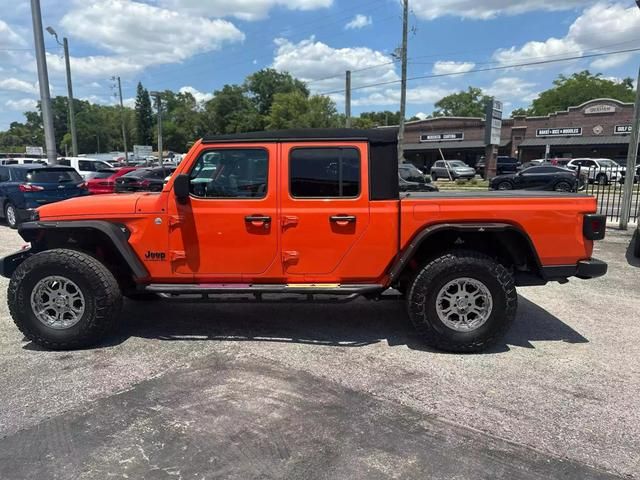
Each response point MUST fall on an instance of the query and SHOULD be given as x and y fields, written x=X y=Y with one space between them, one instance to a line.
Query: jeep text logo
x=155 y=256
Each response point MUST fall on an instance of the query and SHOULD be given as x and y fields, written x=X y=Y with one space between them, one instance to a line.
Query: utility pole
x=158 y=97
x=72 y=115
x=632 y=157
x=347 y=106
x=43 y=80
x=124 y=129
x=403 y=92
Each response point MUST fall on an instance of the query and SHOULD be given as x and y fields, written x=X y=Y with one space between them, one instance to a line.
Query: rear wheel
x=462 y=301
x=562 y=187
x=64 y=299
x=434 y=176
x=11 y=215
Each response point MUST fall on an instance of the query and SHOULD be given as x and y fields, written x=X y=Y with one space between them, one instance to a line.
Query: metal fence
x=607 y=185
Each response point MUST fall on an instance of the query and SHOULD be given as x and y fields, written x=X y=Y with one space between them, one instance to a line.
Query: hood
x=91 y=205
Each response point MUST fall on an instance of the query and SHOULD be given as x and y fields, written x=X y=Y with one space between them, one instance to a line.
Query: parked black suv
x=505 y=165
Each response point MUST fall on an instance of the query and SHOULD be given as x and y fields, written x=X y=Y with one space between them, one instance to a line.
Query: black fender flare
x=117 y=234
x=407 y=254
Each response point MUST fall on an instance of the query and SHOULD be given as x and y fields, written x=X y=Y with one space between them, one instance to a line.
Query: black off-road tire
x=421 y=301
x=103 y=300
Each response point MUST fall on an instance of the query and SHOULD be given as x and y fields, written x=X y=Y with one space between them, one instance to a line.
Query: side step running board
x=302 y=289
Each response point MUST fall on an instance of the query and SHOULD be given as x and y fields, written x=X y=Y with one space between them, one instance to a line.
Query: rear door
x=324 y=207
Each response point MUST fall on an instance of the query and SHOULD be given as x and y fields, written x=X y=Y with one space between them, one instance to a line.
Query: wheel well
x=509 y=247
x=90 y=241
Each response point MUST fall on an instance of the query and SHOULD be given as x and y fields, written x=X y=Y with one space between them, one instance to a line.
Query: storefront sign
x=35 y=151
x=623 y=129
x=142 y=151
x=442 y=137
x=559 y=132
x=494 y=123
x=600 y=108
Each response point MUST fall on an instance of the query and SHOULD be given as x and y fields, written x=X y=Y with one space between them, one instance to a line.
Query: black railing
x=607 y=185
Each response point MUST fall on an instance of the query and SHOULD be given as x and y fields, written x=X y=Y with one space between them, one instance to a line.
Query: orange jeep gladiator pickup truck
x=312 y=213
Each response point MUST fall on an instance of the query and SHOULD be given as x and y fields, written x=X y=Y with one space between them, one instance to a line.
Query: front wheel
x=602 y=179
x=505 y=186
x=434 y=176
x=462 y=302
x=64 y=299
x=562 y=187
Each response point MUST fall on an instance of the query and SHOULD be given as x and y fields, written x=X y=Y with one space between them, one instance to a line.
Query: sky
x=201 y=45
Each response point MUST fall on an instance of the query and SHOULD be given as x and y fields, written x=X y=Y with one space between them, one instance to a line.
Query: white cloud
x=447 y=67
x=421 y=115
x=242 y=9
x=512 y=88
x=358 y=22
x=200 y=97
x=10 y=39
x=313 y=61
x=126 y=27
x=22 y=104
x=17 y=85
x=488 y=9
x=423 y=95
x=614 y=26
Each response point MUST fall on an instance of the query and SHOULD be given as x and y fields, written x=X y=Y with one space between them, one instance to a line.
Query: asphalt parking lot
x=340 y=391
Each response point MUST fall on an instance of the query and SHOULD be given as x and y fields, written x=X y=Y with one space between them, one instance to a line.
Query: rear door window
x=324 y=173
x=53 y=175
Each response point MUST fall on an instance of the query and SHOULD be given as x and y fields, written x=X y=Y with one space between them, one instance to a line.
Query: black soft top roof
x=374 y=136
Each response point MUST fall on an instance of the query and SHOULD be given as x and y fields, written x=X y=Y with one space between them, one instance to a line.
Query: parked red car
x=104 y=181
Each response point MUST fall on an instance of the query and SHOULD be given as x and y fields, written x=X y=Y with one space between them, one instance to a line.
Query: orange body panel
x=209 y=240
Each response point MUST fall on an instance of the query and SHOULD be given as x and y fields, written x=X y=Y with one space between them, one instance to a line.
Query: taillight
x=594 y=226
x=27 y=187
x=83 y=185
x=145 y=183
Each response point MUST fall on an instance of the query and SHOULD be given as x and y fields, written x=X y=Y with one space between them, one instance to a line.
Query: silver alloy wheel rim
x=11 y=215
x=464 y=304
x=57 y=302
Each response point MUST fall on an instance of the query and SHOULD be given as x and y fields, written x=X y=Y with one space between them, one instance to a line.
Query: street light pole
x=43 y=80
x=72 y=115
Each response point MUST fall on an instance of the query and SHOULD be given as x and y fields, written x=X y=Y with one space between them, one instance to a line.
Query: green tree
x=296 y=110
x=262 y=86
x=231 y=111
x=469 y=103
x=144 y=116
x=579 y=88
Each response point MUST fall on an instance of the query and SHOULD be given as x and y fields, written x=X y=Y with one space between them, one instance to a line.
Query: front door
x=228 y=228
x=324 y=208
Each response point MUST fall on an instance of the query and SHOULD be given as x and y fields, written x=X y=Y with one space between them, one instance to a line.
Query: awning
x=461 y=145
x=576 y=141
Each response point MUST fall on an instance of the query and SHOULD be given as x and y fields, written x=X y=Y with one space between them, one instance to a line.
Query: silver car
x=452 y=170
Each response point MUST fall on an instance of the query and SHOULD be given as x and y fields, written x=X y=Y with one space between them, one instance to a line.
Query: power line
x=488 y=69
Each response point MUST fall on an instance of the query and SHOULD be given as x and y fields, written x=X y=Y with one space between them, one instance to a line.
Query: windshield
x=411 y=175
x=50 y=175
x=457 y=164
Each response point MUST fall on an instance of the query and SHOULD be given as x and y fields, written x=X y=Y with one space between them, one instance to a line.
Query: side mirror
x=181 y=187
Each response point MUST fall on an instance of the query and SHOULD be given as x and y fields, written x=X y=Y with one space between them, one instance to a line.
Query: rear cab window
x=318 y=172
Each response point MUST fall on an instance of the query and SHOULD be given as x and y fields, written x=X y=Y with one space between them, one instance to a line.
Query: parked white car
x=83 y=165
x=598 y=170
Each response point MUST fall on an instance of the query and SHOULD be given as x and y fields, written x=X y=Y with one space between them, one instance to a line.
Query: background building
x=597 y=129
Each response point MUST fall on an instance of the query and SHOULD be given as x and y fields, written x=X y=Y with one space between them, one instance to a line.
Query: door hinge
x=176 y=255
x=290 y=256
x=175 y=220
